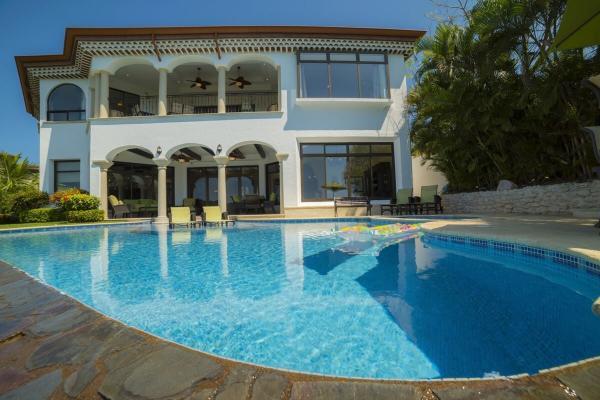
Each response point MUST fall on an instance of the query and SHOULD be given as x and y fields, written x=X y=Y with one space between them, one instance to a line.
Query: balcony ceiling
x=143 y=79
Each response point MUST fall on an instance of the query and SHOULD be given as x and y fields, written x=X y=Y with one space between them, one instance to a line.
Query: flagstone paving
x=52 y=347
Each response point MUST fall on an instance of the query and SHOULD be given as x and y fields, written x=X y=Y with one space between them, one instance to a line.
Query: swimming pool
x=292 y=296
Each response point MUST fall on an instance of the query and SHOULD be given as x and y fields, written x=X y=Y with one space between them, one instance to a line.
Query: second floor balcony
x=190 y=88
x=123 y=104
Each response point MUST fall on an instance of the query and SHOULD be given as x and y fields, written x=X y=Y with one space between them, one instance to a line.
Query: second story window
x=343 y=75
x=66 y=103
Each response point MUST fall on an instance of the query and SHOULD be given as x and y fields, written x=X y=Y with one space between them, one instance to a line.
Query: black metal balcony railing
x=198 y=104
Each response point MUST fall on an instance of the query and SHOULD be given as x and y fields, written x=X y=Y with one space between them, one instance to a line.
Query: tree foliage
x=493 y=100
x=16 y=175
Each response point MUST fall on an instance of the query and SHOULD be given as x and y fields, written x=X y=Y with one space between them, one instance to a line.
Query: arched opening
x=66 y=103
x=133 y=184
x=192 y=89
x=252 y=86
x=253 y=179
x=133 y=91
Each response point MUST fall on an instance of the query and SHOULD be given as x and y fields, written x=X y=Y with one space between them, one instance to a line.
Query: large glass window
x=202 y=184
x=66 y=103
x=137 y=185
x=273 y=182
x=343 y=75
x=66 y=174
x=242 y=180
x=339 y=170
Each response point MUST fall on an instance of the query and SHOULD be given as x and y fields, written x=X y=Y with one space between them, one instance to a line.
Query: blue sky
x=37 y=27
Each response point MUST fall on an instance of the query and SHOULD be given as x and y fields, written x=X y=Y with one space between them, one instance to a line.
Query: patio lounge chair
x=119 y=209
x=404 y=202
x=270 y=204
x=212 y=215
x=429 y=200
x=181 y=216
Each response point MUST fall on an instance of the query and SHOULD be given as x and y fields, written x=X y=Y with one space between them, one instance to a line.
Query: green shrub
x=84 y=216
x=28 y=200
x=42 y=215
x=80 y=202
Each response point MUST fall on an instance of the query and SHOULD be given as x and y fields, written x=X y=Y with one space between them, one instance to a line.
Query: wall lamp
x=219 y=149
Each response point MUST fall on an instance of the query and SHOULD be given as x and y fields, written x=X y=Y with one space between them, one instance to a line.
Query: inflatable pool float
x=364 y=233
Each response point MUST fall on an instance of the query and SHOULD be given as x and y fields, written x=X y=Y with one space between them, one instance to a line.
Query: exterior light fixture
x=158 y=151
x=219 y=149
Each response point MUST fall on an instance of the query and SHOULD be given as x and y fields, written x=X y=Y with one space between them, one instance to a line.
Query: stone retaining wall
x=560 y=199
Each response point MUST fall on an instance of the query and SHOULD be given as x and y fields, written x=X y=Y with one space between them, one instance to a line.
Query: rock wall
x=560 y=199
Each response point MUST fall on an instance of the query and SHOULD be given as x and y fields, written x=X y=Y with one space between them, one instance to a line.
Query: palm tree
x=15 y=173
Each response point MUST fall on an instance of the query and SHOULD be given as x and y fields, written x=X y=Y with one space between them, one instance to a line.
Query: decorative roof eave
x=81 y=44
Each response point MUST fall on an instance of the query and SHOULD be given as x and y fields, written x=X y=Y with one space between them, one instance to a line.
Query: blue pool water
x=288 y=296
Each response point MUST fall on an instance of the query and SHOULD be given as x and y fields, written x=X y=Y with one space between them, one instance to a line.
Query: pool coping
x=290 y=375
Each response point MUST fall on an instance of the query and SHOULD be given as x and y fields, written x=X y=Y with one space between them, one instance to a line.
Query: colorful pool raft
x=359 y=238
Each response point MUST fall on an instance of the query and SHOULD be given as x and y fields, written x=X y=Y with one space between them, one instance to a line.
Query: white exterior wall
x=300 y=120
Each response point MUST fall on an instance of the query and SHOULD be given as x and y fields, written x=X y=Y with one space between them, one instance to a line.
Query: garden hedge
x=80 y=202
x=42 y=215
x=84 y=216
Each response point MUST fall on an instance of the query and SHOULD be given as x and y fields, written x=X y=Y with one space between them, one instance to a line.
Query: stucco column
x=103 y=111
x=281 y=157
x=161 y=164
x=104 y=165
x=222 y=181
x=221 y=90
x=96 y=95
x=162 y=91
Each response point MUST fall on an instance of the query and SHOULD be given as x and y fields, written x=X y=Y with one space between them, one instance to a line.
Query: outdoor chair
x=212 y=215
x=190 y=202
x=236 y=204
x=403 y=203
x=181 y=216
x=270 y=204
x=253 y=203
x=429 y=200
x=119 y=209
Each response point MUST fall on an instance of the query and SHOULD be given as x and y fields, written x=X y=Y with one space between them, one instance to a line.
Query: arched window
x=66 y=103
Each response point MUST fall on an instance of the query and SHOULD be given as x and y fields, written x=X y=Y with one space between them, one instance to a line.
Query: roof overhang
x=82 y=44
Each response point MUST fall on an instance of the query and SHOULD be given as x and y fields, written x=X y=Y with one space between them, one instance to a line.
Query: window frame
x=81 y=112
x=347 y=155
x=56 y=172
x=328 y=61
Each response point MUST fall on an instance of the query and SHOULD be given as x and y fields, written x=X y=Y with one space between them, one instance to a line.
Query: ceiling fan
x=239 y=82
x=198 y=82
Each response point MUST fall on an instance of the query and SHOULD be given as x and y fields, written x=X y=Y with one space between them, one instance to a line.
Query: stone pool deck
x=53 y=347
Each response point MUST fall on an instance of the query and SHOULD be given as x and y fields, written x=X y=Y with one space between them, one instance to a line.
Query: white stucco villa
x=154 y=116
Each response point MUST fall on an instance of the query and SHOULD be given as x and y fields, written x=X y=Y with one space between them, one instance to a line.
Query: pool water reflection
x=287 y=296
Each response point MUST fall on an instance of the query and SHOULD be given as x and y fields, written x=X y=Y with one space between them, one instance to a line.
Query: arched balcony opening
x=252 y=86
x=133 y=91
x=192 y=89
x=66 y=103
x=253 y=179
x=132 y=182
